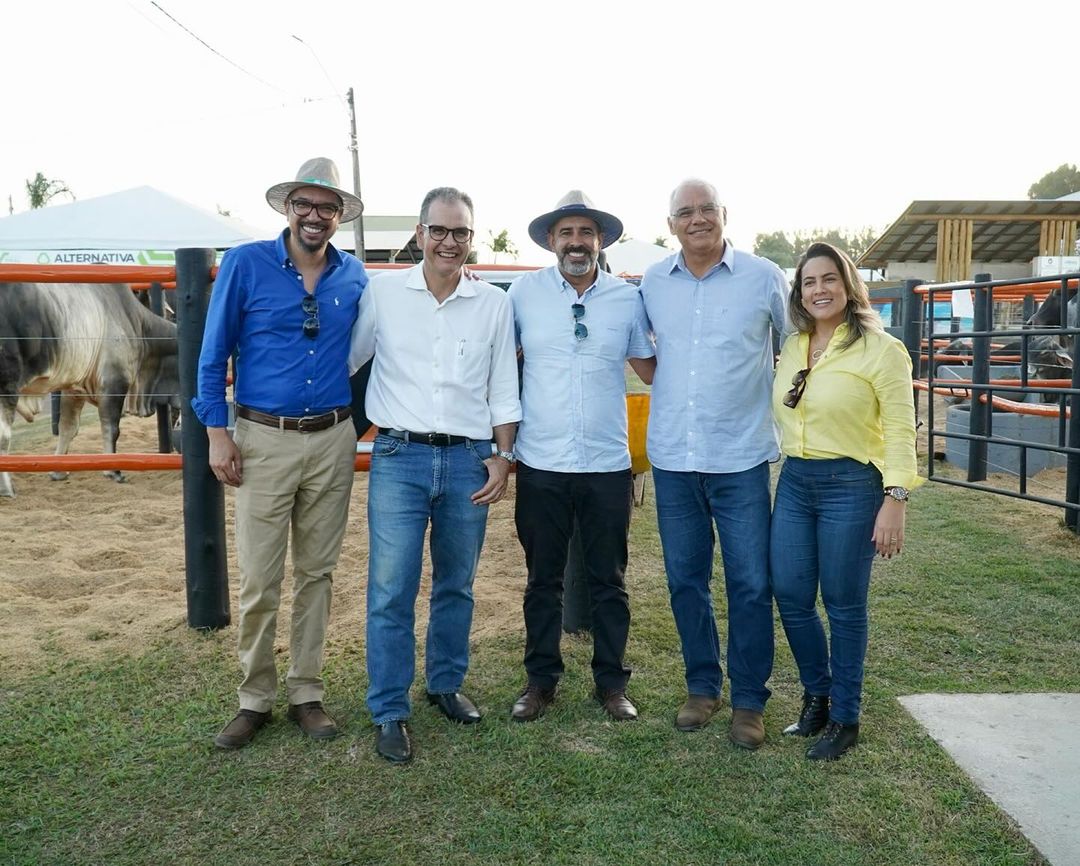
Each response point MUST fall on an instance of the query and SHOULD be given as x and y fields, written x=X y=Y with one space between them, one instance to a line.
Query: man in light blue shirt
x=714 y=310
x=576 y=326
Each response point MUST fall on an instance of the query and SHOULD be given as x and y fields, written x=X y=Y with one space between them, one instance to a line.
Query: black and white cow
x=93 y=343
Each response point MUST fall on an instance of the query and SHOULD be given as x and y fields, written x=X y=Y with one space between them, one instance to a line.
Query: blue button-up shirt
x=255 y=312
x=573 y=400
x=709 y=410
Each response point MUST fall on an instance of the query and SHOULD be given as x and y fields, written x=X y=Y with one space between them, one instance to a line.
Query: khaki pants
x=302 y=481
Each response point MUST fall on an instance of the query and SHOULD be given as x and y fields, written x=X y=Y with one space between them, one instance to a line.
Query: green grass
x=112 y=762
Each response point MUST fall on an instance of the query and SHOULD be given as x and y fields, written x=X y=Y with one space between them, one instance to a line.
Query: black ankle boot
x=814 y=715
x=836 y=740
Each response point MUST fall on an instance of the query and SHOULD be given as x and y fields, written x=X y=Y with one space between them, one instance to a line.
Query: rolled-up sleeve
x=503 y=401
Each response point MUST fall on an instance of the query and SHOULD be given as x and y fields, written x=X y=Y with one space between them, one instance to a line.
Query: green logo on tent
x=43 y=259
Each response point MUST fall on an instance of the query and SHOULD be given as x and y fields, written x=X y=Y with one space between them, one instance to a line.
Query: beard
x=577 y=269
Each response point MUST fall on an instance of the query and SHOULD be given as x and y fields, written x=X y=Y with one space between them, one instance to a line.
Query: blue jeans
x=687 y=505
x=821 y=537
x=411 y=484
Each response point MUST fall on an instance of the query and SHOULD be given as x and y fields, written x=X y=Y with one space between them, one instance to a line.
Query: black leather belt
x=306 y=424
x=440 y=440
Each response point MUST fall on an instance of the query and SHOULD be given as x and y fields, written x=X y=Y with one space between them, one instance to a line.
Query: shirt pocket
x=472 y=360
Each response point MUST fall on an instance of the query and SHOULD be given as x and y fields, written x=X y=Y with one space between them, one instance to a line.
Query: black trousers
x=545 y=509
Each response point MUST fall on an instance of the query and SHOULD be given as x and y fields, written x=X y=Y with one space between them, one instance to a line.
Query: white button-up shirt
x=709 y=410
x=573 y=396
x=439 y=368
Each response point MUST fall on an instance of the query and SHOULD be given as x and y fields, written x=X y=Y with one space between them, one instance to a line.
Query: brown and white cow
x=93 y=343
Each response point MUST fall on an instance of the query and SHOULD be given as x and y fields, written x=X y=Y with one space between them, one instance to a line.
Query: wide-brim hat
x=575 y=203
x=319 y=171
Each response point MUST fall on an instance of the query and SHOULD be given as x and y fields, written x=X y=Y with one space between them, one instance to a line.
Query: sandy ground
x=90 y=566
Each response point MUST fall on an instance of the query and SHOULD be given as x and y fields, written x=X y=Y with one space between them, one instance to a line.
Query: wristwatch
x=900 y=494
x=508 y=456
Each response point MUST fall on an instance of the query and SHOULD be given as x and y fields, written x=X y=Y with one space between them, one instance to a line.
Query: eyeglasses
x=580 y=331
x=326 y=209
x=437 y=233
x=792 y=397
x=311 y=309
x=709 y=211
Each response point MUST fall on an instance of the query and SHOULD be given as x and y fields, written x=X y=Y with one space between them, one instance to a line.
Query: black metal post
x=911 y=322
x=164 y=417
x=1072 y=461
x=204 y=497
x=54 y=409
x=980 y=374
x=577 y=614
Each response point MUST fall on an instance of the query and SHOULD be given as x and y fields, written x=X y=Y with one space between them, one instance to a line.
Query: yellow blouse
x=857 y=403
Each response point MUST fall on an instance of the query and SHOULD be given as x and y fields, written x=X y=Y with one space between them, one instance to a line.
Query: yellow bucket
x=637 y=412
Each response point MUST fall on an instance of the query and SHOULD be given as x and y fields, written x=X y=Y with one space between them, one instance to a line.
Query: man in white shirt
x=713 y=310
x=576 y=326
x=443 y=384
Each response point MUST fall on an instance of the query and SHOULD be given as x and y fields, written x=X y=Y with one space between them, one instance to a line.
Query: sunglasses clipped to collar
x=798 y=381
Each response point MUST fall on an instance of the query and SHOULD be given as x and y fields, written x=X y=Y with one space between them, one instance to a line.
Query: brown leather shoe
x=313 y=720
x=747 y=729
x=532 y=702
x=696 y=713
x=241 y=730
x=616 y=704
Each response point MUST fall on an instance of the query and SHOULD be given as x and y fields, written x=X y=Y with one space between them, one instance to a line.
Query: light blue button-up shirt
x=573 y=400
x=709 y=410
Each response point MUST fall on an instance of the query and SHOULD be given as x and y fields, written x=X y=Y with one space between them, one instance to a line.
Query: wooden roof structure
x=955 y=233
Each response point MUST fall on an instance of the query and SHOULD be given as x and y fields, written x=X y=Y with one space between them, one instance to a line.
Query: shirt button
x=695 y=342
x=309 y=381
x=697 y=312
x=311 y=351
x=691 y=372
x=691 y=402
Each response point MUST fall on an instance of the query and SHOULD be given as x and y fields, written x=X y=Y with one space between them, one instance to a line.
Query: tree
x=777 y=248
x=1061 y=181
x=660 y=241
x=223 y=211
x=785 y=252
x=500 y=243
x=40 y=191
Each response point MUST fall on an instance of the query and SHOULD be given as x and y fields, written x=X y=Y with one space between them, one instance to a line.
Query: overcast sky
x=803 y=114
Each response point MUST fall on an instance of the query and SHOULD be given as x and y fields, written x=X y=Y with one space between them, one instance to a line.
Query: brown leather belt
x=439 y=440
x=306 y=424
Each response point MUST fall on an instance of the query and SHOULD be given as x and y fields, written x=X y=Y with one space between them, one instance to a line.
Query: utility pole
x=358 y=223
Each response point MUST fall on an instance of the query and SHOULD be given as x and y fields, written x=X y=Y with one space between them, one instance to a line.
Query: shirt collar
x=466 y=288
x=728 y=258
x=333 y=257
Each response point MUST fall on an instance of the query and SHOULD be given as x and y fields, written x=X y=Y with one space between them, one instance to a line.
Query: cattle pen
x=204 y=524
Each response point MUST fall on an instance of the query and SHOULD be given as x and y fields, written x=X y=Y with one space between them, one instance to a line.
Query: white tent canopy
x=634 y=256
x=142 y=218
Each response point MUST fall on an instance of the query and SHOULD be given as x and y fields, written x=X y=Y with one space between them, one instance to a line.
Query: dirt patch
x=90 y=566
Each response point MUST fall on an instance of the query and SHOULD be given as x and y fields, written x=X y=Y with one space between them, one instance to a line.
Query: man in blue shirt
x=284 y=310
x=713 y=310
x=576 y=326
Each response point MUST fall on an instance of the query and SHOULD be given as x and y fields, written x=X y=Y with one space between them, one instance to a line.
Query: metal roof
x=1003 y=231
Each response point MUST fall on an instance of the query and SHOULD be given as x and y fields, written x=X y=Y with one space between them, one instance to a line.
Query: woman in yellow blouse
x=842 y=399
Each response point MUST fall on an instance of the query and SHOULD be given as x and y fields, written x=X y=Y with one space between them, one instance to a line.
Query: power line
x=210 y=48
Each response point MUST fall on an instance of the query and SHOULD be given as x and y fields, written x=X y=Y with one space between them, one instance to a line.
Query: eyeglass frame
x=798 y=381
x=438 y=233
x=685 y=214
x=298 y=204
x=581 y=331
x=311 y=326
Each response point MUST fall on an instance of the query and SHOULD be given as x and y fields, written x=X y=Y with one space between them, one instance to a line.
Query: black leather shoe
x=456 y=707
x=531 y=703
x=836 y=740
x=616 y=704
x=812 y=718
x=392 y=742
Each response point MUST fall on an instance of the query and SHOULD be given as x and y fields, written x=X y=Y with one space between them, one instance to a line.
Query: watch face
x=899 y=493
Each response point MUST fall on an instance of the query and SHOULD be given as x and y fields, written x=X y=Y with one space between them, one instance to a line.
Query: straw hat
x=575 y=203
x=319 y=171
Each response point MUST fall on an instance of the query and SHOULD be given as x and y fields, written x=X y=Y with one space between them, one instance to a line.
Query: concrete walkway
x=1023 y=751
